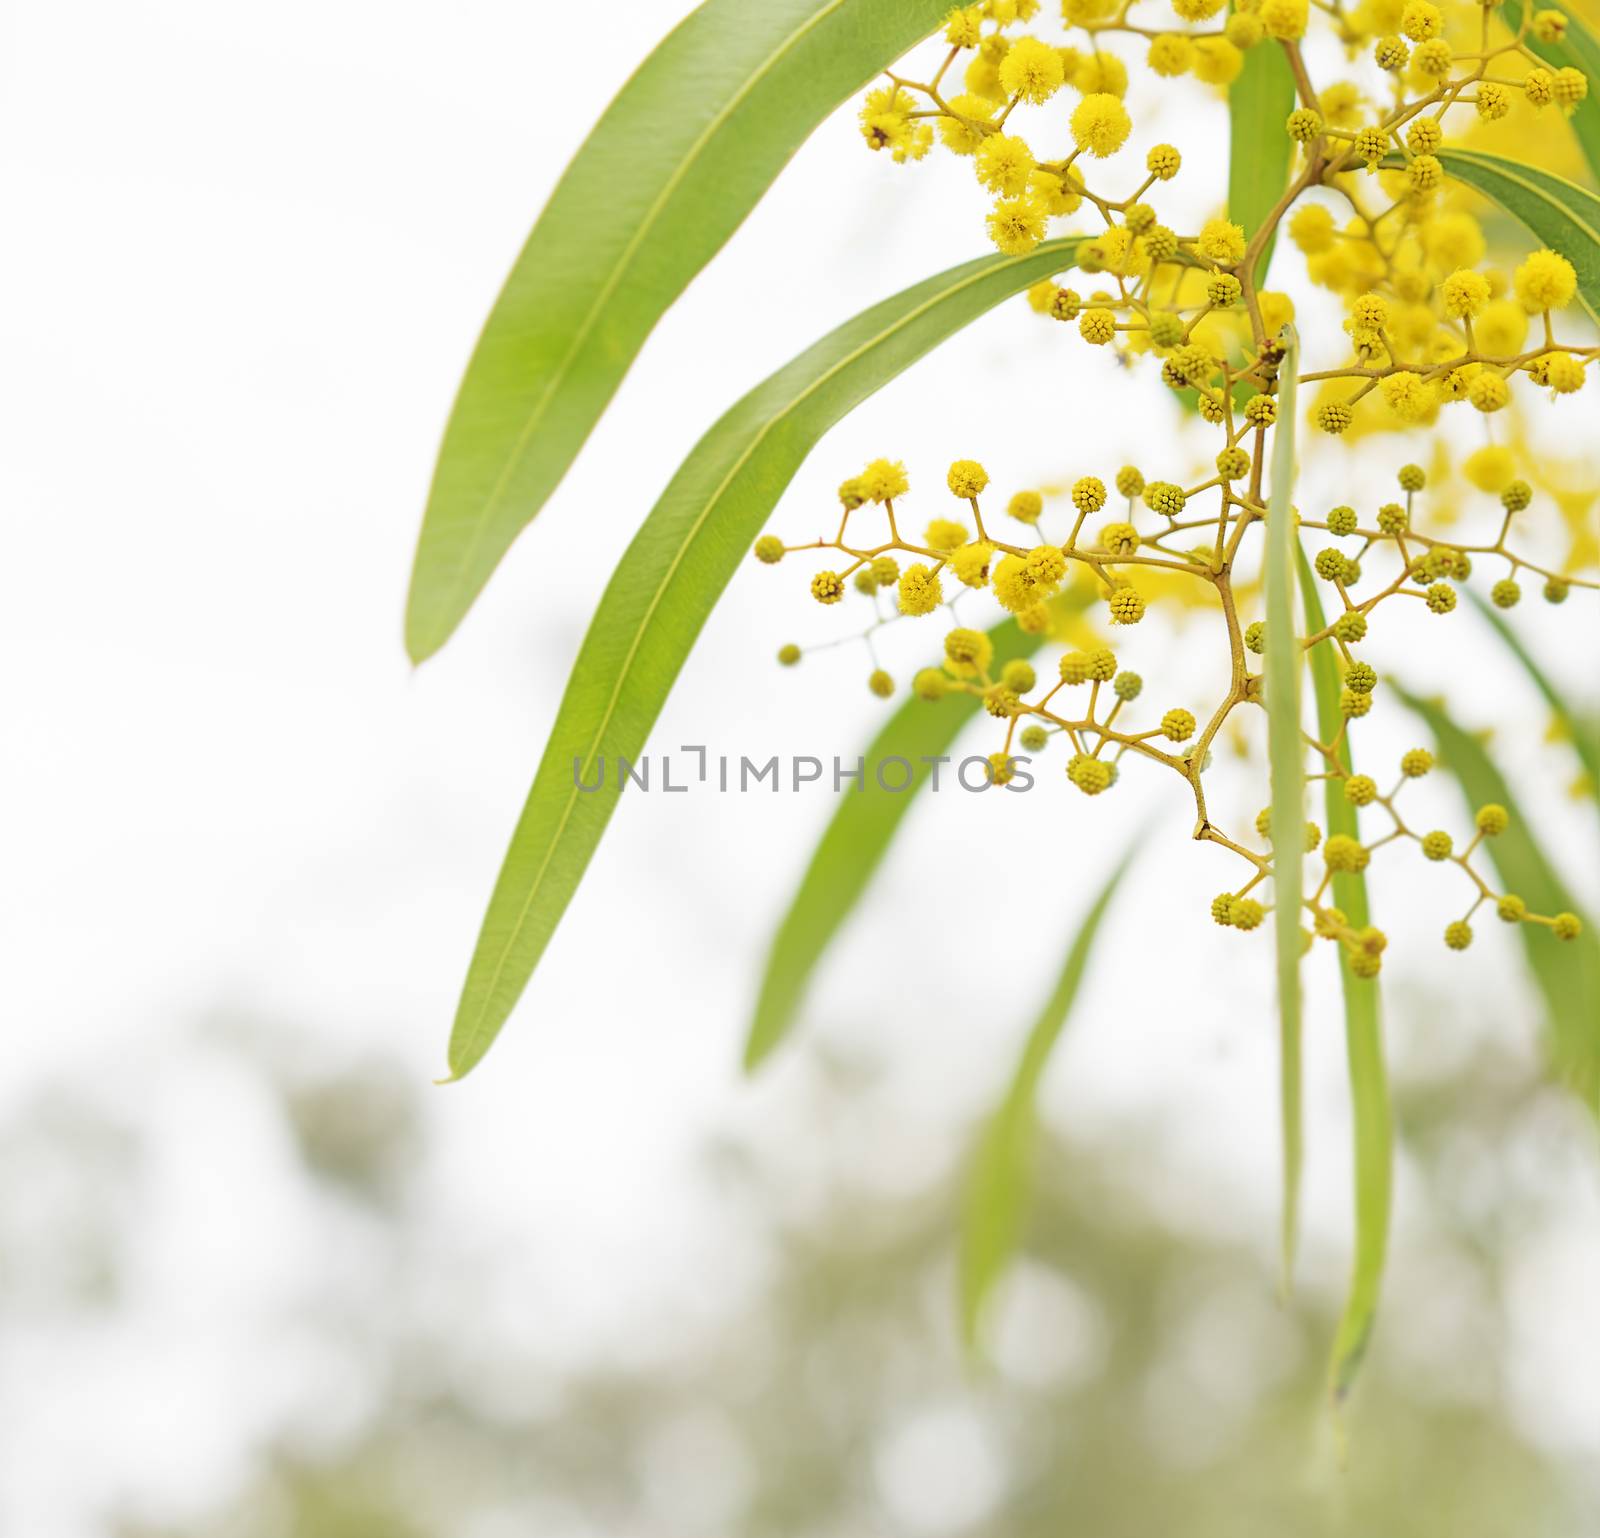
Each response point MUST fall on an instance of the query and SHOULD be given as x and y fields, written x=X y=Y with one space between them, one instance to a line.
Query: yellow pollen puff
x=1284 y=19
x=1046 y=566
x=883 y=479
x=965 y=132
x=1217 y=61
x=971 y=564
x=967 y=652
x=1055 y=196
x=1407 y=396
x=1421 y=21
x=1545 y=281
x=1549 y=26
x=920 y=591
x=1196 y=10
x=1041 y=295
x=1465 y=293
x=963 y=26
x=1244 y=30
x=1099 y=73
x=966 y=478
x=1016 y=225
x=1100 y=124
x=1032 y=70
x=1026 y=506
x=1004 y=164
x=1488 y=392
x=1013 y=586
x=1221 y=243
x=1503 y=328
x=1311 y=229
x=1453 y=240
x=1170 y=54
x=945 y=534
x=1563 y=373
x=1342 y=104
x=1490 y=468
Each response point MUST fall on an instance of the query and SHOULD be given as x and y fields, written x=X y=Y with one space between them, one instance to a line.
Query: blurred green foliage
x=1144 y=1379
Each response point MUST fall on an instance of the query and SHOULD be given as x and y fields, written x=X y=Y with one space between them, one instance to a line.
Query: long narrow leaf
x=665 y=586
x=1581 y=731
x=1567 y=971
x=1259 y=102
x=1579 y=50
x=1369 y=1081
x=854 y=844
x=1286 y=762
x=1000 y=1181
x=682 y=154
x=1564 y=216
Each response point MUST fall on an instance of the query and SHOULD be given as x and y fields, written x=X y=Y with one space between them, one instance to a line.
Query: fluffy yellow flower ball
x=1311 y=228
x=1100 y=124
x=1217 y=61
x=1221 y=242
x=1032 y=70
x=1170 y=54
x=1284 y=19
x=1016 y=225
x=1545 y=282
x=963 y=133
x=1465 y=293
x=1502 y=328
x=1004 y=164
x=1407 y=396
x=1490 y=468
x=884 y=478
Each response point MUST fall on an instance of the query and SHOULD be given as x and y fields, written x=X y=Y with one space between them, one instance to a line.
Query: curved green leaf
x=998 y=1186
x=1286 y=761
x=1580 y=50
x=1565 y=216
x=682 y=154
x=1259 y=102
x=1582 y=732
x=1567 y=971
x=853 y=846
x=665 y=586
x=1363 y=1032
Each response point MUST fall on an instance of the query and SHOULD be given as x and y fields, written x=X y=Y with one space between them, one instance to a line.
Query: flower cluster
x=1127 y=547
x=1429 y=322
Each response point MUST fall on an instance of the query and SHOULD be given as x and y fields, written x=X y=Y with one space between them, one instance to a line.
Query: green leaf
x=1567 y=971
x=1363 y=1032
x=682 y=154
x=1564 y=216
x=854 y=844
x=999 y=1183
x=1286 y=761
x=1259 y=104
x=1581 y=731
x=1579 y=50
x=663 y=589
